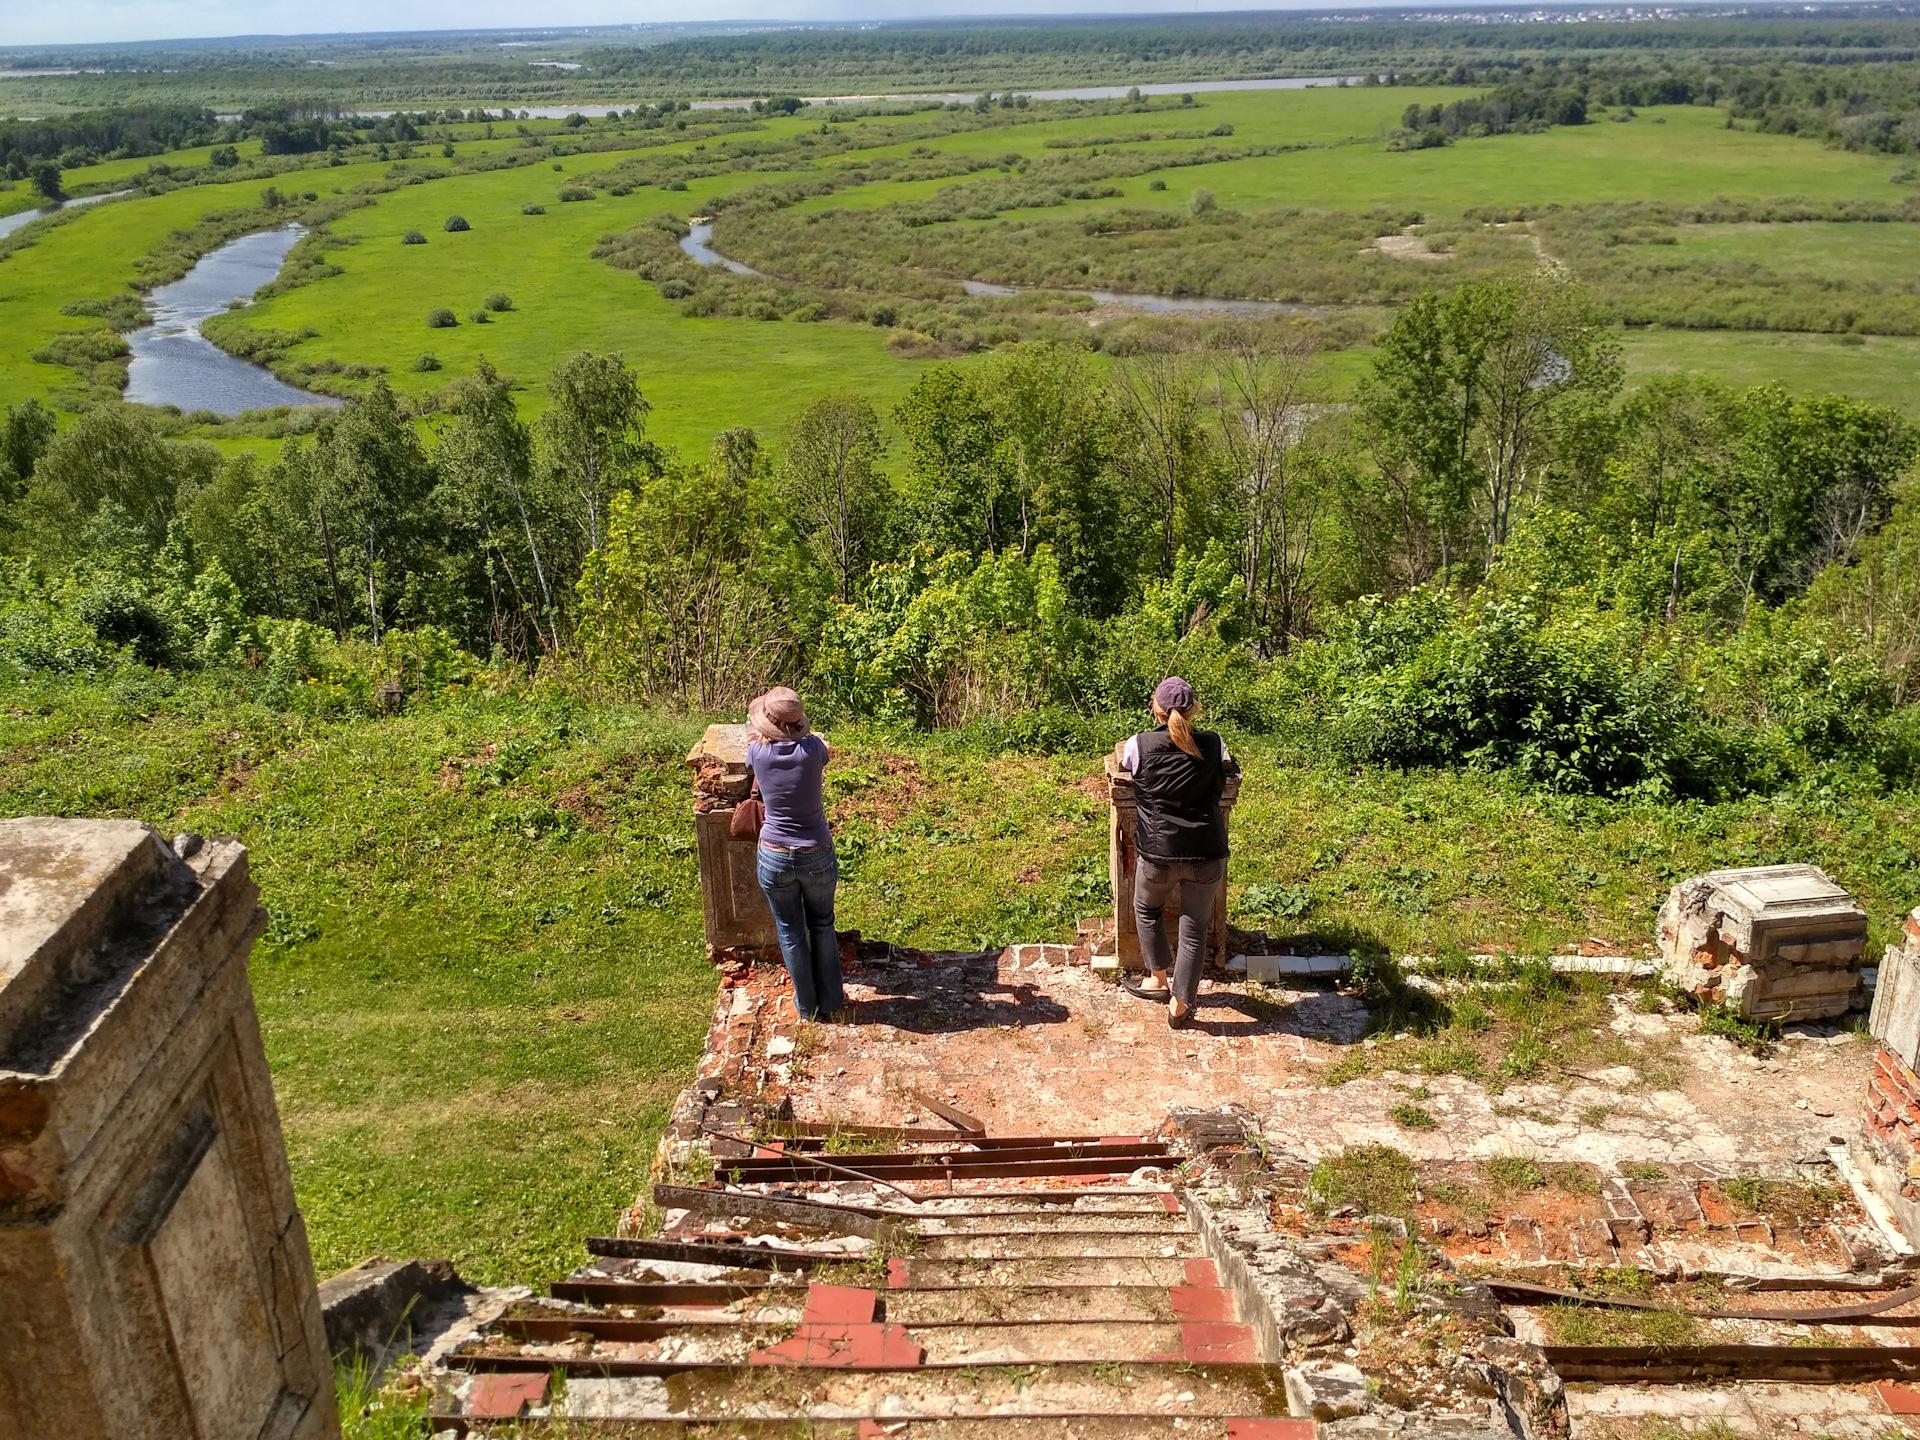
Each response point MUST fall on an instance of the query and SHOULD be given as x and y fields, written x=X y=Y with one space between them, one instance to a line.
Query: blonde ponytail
x=1179 y=729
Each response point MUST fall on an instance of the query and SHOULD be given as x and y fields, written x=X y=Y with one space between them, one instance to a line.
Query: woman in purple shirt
x=798 y=869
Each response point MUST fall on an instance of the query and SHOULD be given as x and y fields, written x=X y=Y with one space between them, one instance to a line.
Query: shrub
x=674 y=185
x=675 y=289
x=455 y=224
x=571 y=193
x=884 y=315
x=442 y=319
x=1202 y=203
x=413 y=237
x=533 y=209
x=499 y=302
x=1223 y=128
x=427 y=361
x=1156 y=185
x=806 y=314
x=479 y=317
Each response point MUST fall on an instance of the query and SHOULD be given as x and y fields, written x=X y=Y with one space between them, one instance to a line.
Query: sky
x=53 y=22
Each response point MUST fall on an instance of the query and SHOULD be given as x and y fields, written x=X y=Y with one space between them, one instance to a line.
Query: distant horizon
x=48 y=25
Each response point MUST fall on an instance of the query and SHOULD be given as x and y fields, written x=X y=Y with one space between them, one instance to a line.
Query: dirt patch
x=1408 y=247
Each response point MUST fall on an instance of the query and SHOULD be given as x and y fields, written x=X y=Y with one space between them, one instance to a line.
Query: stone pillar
x=1120 y=858
x=739 y=924
x=1887 y=1150
x=155 y=1282
x=1774 y=942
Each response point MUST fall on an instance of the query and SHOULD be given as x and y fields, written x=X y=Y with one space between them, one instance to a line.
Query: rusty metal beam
x=982 y=1167
x=1690 y=1364
x=1526 y=1294
x=862 y=1220
x=949 y=1113
x=660 y=1293
x=738 y=1257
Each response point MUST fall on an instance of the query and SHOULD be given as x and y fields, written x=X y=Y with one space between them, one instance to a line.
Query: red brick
x=1899 y=1399
x=839 y=1305
x=504 y=1396
x=1170 y=1203
x=1198 y=1303
x=1219 y=1345
x=897 y=1274
x=854 y=1347
x=1270 y=1429
x=1203 y=1274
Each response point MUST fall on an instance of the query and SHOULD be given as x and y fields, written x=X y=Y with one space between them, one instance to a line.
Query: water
x=695 y=244
x=1155 y=304
x=11 y=223
x=174 y=364
x=1084 y=92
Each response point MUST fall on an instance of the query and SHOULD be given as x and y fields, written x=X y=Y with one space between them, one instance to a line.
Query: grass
x=1375 y=1179
x=1879 y=368
x=706 y=374
x=481 y=997
x=1570 y=1324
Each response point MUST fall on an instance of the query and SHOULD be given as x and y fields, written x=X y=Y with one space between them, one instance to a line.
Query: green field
x=705 y=374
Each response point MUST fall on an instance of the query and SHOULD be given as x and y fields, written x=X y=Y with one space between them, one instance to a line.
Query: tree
x=1059 y=430
x=958 y=487
x=1467 y=402
x=680 y=605
x=1263 y=403
x=45 y=175
x=594 y=435
x=1541 y=352
x=367 y=483
x=28 y=431
x=487 y=474
x=115 y=453
x=1161 y=400
x=830 y=481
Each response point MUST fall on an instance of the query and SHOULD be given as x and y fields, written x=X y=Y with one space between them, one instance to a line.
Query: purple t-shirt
x=789 y=772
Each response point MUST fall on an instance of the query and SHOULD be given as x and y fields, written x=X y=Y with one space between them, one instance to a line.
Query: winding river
x=11 y=223
x=174 y=364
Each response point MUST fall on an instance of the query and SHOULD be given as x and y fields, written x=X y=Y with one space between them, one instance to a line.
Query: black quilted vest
x=1177 y=798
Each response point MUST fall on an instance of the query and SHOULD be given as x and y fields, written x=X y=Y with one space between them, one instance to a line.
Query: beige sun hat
x=778 y=715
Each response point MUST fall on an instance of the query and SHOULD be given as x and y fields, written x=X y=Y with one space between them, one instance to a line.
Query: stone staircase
x=1028 y=1309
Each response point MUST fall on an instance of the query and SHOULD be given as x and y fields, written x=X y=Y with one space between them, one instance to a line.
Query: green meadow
x=705 y=374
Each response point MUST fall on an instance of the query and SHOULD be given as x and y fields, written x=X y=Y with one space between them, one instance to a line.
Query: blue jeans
x=799 y=890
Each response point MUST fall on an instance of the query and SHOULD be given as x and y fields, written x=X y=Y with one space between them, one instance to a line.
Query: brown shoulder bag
x=748 y=816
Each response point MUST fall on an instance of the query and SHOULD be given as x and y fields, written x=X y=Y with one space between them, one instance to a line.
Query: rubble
x=1773 y=942
x=1887 y=1150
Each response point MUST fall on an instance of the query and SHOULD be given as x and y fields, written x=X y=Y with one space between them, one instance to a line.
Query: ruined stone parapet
x=154 y=1274
x=739 y=925
x=1775 y=942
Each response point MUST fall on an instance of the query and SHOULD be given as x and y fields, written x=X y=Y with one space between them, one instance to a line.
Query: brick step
x=816 y=1393
x=1103 y=1426
x=1090 y=1223
x=708 y=1304
x=1045 y=1244
x=922 y=1273
x=998 y=1342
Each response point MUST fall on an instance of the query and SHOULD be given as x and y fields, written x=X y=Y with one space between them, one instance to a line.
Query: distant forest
x=651 y=64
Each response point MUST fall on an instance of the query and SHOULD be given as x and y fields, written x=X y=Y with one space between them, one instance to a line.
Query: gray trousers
x=1197 y=882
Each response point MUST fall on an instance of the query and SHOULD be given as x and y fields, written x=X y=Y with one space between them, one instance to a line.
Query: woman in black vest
x=1180 y=841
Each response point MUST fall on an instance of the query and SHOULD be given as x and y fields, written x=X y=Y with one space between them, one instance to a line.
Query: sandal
x=1140 y=992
